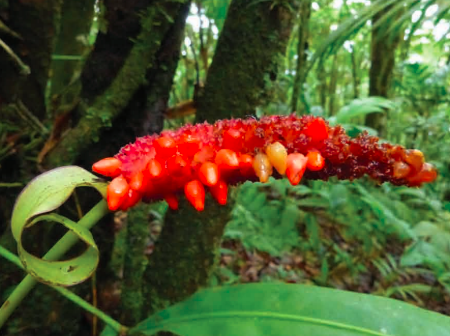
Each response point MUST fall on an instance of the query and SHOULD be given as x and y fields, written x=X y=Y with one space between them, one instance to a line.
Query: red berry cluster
x=196 y=158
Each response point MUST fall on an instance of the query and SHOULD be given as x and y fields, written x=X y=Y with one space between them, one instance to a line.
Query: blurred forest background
x=79 y=79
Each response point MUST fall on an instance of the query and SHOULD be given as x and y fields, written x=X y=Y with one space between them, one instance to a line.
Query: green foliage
x=281 y=309
x=43 y=195
x=268 y=226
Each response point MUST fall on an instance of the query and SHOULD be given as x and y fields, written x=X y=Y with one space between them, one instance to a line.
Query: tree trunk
x=76 y=22
x=334 y=74
x=37 y=23
x=382 y=54
x=244 y=65
x=245 y=61
x=355 y=73
x=115 y=72
x=302 y=48
x=155 y=95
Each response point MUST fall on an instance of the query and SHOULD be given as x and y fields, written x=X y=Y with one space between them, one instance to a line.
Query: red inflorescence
x=197 y=158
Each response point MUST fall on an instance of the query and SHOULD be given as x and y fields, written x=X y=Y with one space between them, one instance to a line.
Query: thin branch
x=70 y=295
x=24 y=69
x=10 y=185
x=26 y=114
x=56 y=252
x=5 y=29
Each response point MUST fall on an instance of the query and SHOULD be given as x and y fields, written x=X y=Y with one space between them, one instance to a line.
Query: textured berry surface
x=207 y=158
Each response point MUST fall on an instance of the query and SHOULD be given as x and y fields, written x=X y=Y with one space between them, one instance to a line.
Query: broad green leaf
x=291 y=309
x=42 y=195
x=361 y=107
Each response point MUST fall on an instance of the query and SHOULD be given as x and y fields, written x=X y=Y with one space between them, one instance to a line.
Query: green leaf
x=361 y=107
x=290 y=309
x=42 y=195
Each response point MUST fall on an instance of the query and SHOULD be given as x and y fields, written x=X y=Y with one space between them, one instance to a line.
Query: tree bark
x=37 y=23
x=334 y=74
x=106 y=98
x=302 y=48
x=155 y=96
x=76 y=22
x=245 y=63
x=382 y=54
x=355 y=73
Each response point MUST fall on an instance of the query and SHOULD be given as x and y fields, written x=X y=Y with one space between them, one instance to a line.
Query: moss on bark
x=184 y=254
x=245 y=63
x=382 y=55
x=254 y=35
x=135 y=262
x=76 y=22
x=37 y=23
x=100 y=114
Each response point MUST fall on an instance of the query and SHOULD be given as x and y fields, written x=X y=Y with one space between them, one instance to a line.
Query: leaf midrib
x=266 y=315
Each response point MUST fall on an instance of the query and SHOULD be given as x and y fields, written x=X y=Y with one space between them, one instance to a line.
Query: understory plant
x=201 y=158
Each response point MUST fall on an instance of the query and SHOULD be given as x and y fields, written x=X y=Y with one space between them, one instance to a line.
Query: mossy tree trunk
x=36 y=22
x=254 y=35
x=382 y=53
x=72 y=41
x=302 y=48
x=116 y=70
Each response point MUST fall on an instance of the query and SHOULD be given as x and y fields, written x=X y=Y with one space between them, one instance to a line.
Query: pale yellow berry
x=277 y=155
x=262 y=167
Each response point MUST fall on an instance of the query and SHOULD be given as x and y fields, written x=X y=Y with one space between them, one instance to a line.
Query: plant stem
x=69 y=295
x=56 y=252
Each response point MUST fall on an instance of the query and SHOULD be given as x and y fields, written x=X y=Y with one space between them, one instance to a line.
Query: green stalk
x=69 y=295
x=55 y=253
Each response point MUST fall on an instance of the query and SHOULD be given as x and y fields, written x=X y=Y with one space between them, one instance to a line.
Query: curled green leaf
x=42 y=195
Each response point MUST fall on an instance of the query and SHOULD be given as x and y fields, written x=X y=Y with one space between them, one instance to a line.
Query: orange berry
x=427 y=174
x=227 y=159
x=209 y=174
x=315 y=161
x=172 y=201
x=108 y=167
x=220 y=192
x=195 y=193
x=415 y=158
x=401 y=169
x=116 y=192
x=296 y=166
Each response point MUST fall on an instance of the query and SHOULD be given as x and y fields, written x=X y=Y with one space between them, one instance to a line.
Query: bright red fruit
x=220 y=192
x=195 y=193
x=232 y=139
x=228 y=152
x=209 y=174
x=172 y=201
x=317 y=130
x=296 y=166
x=108 y=167
x=116 y=192
x=227 y=159
x=315 y=161
x=132 y=198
